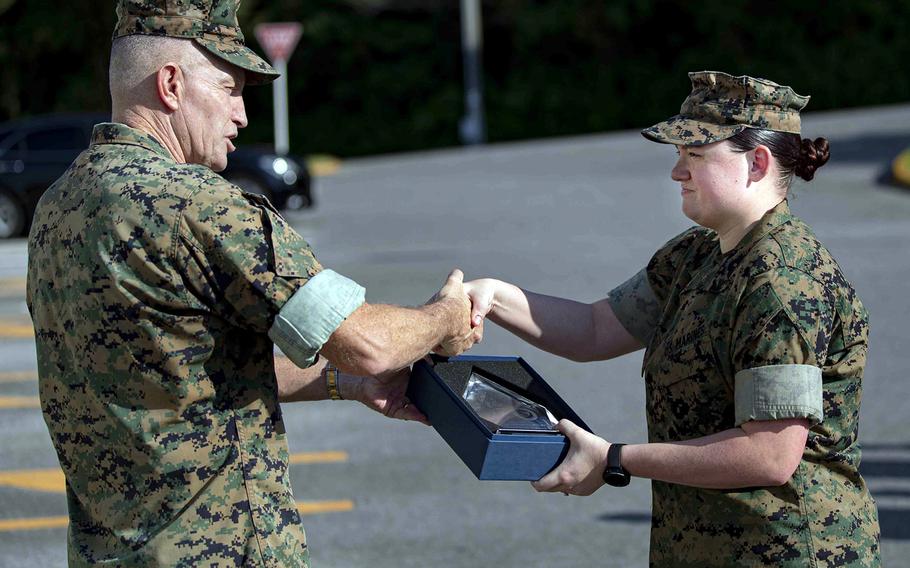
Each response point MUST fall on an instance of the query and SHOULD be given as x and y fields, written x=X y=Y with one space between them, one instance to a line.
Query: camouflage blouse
x=768 y=330
x=152 y=286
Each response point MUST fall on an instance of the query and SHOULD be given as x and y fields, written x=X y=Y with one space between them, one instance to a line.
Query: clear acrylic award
x=505 y=411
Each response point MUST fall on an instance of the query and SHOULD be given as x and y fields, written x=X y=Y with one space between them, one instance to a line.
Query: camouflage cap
x=721 y=106
x=212 y=23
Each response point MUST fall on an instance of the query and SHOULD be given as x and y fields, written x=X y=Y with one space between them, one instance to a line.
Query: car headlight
x=278 y=165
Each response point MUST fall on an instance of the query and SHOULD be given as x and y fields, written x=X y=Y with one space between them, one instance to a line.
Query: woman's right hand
x=482 y=293
x=580 y=473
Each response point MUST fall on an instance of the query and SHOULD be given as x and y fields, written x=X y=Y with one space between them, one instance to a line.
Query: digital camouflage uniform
x=210 y=23
x=152 y=286
x=736 y=337
x=156 y=290
x=768 y=330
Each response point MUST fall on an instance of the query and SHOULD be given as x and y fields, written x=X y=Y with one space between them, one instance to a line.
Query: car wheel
x=12 y=216
x=250 y=184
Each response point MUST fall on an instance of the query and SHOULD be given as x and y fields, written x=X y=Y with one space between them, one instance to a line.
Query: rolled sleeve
x=313 y=313
x=776 y=392
x=636 y=307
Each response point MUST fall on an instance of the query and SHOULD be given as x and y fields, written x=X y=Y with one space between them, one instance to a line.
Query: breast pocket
x=686 y=390
x=293 y=257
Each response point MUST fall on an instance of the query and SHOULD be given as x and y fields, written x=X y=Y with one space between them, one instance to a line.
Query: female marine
x=755 y=345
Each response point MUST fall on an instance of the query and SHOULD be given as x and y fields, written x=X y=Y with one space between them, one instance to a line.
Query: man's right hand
x=463 y=335
x=378 y=338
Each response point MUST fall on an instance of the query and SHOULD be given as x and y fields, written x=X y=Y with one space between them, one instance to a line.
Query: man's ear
x=170 y=84
x=760 y=163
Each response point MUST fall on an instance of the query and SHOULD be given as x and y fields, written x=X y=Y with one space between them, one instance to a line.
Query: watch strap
x=614 y=457
x=331 y=382
x=614 y=473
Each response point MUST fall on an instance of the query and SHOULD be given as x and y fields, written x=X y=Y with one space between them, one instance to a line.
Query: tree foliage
x=379 y=76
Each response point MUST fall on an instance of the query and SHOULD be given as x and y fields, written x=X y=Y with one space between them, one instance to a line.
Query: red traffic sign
x=278 y=39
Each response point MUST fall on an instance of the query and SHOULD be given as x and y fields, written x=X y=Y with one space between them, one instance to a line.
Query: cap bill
x=259 y=72
x=682 y=131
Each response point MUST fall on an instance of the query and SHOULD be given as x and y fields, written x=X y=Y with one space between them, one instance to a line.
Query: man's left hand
x=384 y=394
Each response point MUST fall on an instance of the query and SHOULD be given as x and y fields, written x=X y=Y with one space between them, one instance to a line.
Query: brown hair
x=794 y=155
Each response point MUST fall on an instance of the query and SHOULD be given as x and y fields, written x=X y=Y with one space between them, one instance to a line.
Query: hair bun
x=812 y=155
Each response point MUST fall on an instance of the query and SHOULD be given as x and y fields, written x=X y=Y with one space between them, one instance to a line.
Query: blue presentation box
x=436 y=389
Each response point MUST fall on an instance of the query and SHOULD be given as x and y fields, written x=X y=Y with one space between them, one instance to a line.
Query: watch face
x=616 y=477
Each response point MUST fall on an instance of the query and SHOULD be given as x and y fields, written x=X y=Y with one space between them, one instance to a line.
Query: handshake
x=464 y=306
x=373 y=349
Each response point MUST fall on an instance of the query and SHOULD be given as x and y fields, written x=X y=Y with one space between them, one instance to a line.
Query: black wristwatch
x=614 y=474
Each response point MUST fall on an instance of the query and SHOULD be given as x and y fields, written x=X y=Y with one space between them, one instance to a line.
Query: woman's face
x=715 y=183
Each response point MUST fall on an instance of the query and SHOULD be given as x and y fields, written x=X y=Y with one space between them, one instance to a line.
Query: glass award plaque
x=506 y=411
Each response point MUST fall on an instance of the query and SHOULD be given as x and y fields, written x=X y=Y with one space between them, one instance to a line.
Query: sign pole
x=473 y=129
x=280 y=102
x=279 y=39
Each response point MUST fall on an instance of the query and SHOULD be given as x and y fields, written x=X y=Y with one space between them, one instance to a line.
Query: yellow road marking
x=32 y=524
x=52 y=480
x=901 y=167
x=16 y=285
x=316 y=507
x=18 y=376
x=323 y=165
x=16 y=330
x=36 y=523
x=49 y=480
x=319 y=457
x=19 y=402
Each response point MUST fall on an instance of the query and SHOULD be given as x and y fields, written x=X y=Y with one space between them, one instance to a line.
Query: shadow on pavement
x=872 y=149
x=895 y=521
x=626 y=517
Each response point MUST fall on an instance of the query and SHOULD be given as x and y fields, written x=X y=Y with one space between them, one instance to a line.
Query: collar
x=116 y=133
x=775 y=217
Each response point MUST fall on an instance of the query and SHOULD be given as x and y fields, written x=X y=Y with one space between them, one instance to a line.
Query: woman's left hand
x=581 y=472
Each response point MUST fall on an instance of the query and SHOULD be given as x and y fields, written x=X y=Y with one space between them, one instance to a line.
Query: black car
x=34 y=152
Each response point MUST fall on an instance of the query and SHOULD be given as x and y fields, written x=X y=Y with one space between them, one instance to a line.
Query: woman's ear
x=760 y=163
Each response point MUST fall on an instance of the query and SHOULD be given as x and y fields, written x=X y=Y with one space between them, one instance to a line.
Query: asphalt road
x=570 y=217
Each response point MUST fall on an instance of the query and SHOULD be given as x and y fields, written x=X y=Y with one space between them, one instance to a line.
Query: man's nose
x=239 y=112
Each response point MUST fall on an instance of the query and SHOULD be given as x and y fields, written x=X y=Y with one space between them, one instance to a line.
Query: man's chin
x=218 y=164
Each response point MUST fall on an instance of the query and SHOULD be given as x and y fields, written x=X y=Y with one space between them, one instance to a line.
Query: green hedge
x=373 y=76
